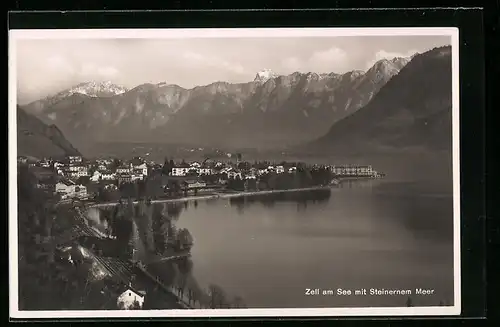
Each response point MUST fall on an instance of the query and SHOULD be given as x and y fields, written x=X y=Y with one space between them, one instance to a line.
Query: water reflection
x=146 y=232
x=361 y=234
x=426 y=214
x=398 y=232
x=302 y=199
x=366 y=184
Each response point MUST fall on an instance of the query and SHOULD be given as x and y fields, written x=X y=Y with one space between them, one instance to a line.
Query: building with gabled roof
x=130 y=297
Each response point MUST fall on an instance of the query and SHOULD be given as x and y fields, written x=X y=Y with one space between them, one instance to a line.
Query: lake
x=372 y=234
x=365 y=234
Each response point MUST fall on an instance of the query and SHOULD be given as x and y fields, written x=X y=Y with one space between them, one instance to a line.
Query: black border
x=472 y=140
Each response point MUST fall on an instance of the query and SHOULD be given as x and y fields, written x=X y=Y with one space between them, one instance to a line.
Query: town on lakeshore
x=125 y=244
x=109 y=179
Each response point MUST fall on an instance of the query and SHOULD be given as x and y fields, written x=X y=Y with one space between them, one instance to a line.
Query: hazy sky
x=48 y=66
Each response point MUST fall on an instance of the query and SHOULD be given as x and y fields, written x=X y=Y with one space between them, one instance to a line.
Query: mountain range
x=270 y=111
x=412 y=111
x=39 y=140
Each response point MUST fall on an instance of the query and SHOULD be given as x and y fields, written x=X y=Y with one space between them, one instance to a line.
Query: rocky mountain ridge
x=270 y=111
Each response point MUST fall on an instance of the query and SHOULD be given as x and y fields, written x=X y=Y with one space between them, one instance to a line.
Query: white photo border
x=15 y=35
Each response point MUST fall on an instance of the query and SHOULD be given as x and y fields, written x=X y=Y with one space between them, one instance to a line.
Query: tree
x=217 y=296
x=190 y=296
x=135 y=306
x=141 y=189
x=167 y=167
x=195 y=295
x=238 y=302
x=212 y=292
x=115 y=164
x=181 y=284
x=236 y=184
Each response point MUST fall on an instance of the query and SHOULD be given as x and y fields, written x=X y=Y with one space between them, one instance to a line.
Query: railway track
x=119 y=269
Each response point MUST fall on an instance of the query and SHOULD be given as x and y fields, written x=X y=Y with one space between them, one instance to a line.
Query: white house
x=140 y=171
x=108 y=176
x=127 y=299
x=75 y=159
x=76 y=171
x=205 y=171
x=136 y=177
x=96 y=177
x=195 y=184
x=22 y=159
x=68 y=189
x=142 y=167
x=261 y=172
x=195 y=165
x=59 y=168
x=102 y=167
x=110 y=187
x=123 y=170
x=80 y=191
x=233 y=174
x=181 y=170
x=45 y=163
x=226 y=170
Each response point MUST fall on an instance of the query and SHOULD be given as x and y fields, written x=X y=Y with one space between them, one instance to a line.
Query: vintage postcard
x=234 y=172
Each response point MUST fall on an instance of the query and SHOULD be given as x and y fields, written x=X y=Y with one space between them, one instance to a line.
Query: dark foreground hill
x=406 y=127
x=412 y=111
x=36 y=139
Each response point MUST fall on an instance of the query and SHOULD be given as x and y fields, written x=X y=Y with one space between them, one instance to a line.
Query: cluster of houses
x=354 y=171
x=253 y=172
x=68 y=189
x=73 y=168
x=220 y=168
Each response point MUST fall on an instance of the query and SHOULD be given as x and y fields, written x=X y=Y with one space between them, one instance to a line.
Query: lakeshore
x=220 y=196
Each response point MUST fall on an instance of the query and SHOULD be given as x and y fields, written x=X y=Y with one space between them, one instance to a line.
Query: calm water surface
x=371 y=234
x=269 y=249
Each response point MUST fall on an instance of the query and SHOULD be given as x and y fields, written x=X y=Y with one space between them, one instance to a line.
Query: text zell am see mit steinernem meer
x=371 y=291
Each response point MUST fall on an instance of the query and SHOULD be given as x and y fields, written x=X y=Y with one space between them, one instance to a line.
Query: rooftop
x=136 y=161
x=67 y=182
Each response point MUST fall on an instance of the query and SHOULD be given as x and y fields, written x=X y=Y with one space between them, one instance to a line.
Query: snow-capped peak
x=97 y=89
x=264 y=75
